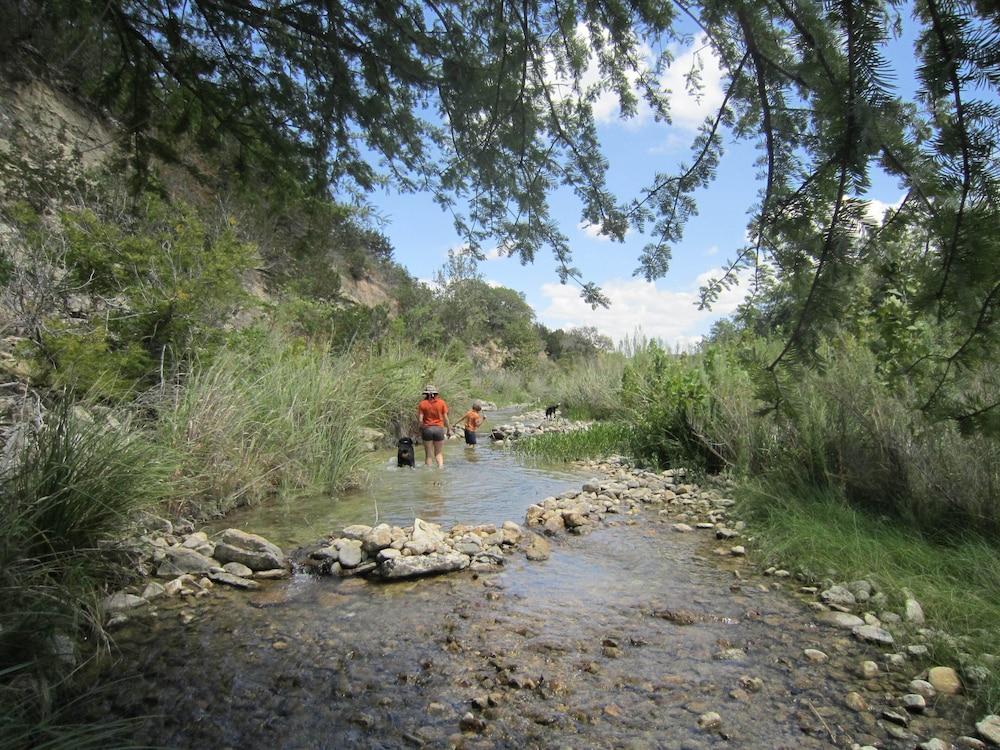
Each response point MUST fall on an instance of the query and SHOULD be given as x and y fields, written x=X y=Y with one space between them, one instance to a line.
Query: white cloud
x=594 y=231
x=668 y=315
x=688 y=109
x=712 y=250
x=875 y=209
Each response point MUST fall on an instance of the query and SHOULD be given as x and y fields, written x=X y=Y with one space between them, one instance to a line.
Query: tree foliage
x=488 y=106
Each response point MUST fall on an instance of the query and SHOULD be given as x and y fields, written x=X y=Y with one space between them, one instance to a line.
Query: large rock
x=989 y=729
x=377 y=539
x=357 y=531
x=913 y=612
x=412 y=566
x=945 y=680
x=179 y=560
x=254 y=551
x=537 y=548
x=838 y=595
x=350 y=554
x=227 y=553
x=873 y=634
x=425 y=537
x=843 y=620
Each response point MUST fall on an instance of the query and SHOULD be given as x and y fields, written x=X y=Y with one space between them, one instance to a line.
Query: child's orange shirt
x=472 y=419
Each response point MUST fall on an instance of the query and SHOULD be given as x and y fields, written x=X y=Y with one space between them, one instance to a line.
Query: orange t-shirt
x=472 y=419
x=432 y=413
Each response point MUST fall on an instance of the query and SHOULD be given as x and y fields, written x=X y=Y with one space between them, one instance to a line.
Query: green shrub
x=84 y=362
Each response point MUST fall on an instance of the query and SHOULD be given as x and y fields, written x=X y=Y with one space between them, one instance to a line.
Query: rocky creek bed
x=620 y=614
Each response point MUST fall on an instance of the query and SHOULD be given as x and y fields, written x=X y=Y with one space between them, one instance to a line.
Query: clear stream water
x=572 y=652
x=486 y=484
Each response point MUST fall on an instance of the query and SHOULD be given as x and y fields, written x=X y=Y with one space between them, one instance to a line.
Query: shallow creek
x=572 y=652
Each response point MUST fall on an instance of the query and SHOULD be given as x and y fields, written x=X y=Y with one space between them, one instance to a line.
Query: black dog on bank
x=404 y=452
x=550 y=411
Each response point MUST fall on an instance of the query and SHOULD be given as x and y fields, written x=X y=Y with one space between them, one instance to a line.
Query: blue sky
x=422 y=233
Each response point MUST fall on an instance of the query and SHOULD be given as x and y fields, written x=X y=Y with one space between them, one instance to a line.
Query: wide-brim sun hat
x=430 y=389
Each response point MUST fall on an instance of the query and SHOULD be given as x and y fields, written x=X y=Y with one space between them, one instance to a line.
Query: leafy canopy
x=487 y=105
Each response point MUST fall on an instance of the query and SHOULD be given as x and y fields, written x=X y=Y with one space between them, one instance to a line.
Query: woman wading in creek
x=432 y=412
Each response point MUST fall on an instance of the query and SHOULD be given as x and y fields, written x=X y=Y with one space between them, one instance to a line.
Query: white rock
x=357 y=532
x=844 y=620
x=922 y=687
x=350 y=554
x=873 y=634
x=420 y=565
x=913 y=612
x=989 y=728
x=121 y=601
x=153 y=590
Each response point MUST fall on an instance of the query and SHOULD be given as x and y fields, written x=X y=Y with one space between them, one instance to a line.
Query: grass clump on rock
x=598 y=440
x=955 y=579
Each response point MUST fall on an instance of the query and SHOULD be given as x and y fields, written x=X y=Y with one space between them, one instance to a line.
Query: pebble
x=752 y=684
x=869 y=670
x=934 y=744
x=922 y=687
x=896 y=717
x=914 y=703
x=279 y=645
x=816 y=656
x=681 y=527
x=855 y=702
x=710 y=721
x=738 y=551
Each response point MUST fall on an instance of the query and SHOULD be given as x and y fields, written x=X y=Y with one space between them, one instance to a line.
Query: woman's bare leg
x=429 y=452
x=438 y=452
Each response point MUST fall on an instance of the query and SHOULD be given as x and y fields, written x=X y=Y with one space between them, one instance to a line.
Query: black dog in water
x=550 y=411
x=404 y=452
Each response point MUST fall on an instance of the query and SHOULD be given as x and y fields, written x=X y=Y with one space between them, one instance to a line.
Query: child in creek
x=471 y=421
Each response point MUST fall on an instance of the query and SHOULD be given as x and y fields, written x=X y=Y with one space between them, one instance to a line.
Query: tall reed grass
x=277 y=417
x=72 y=490
x=257 y=422
x=588 y=388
